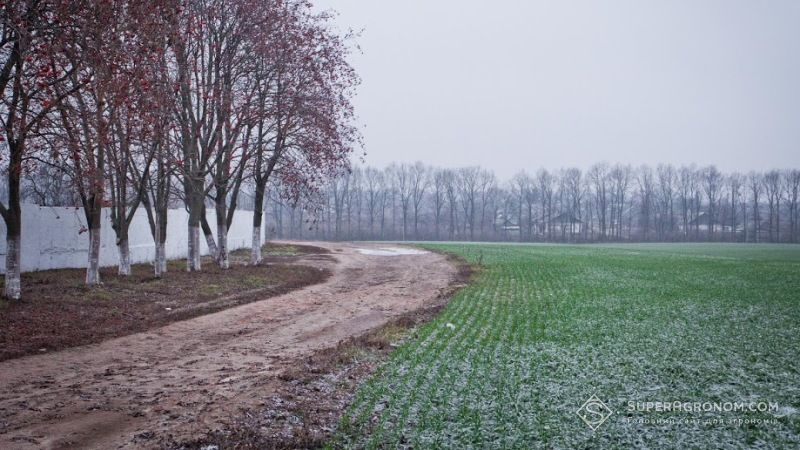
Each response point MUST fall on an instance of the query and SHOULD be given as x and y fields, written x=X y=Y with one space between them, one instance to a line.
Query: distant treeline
x=606 y=203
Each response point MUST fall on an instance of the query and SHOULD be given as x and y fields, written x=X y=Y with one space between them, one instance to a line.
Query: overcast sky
x=520 y=84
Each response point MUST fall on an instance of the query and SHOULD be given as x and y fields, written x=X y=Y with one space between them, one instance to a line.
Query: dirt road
x=188 y=377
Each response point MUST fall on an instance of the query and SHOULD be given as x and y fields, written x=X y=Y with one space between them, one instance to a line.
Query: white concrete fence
x=52 y=238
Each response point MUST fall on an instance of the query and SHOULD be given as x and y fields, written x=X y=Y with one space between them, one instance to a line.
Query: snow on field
x=390 y=251
x=540 y=329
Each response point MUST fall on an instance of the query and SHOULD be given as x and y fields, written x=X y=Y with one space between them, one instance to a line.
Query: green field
x=543 y=327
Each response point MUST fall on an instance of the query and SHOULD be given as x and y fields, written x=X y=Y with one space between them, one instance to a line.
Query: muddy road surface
x=189 y=377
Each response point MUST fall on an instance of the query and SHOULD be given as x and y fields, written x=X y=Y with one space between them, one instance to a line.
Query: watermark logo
x=594 y=412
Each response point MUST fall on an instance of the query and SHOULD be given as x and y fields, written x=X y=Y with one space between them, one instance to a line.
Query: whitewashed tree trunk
x=160 y=264
x=193 y=253
x=162 y=260
x=222 y=252
x=258 y=214
x=93 y=269
x=13 y=290
x=212 y=246
x=255 y=252
x=124 y=250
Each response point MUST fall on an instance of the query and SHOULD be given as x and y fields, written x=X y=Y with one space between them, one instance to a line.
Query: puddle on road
x=390 y=251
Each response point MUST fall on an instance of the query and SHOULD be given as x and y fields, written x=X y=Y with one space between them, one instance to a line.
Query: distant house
x=567 y=222
x=506 y=226
x=703 y=222
x=562 y=223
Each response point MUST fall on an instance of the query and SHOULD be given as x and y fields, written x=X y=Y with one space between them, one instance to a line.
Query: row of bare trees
x=605 y=203
x=125 y=104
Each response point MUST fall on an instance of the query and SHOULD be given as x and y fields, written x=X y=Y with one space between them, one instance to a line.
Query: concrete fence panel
x=56 y=237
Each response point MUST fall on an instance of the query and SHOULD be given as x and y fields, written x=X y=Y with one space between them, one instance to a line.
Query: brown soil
x=179 y=382
x=58 y=311
x=305 y=404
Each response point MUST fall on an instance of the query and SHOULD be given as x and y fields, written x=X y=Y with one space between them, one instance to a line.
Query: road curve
x=188 y=377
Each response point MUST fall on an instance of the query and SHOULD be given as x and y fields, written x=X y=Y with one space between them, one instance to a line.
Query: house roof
x=565 y=218
x=703 y=219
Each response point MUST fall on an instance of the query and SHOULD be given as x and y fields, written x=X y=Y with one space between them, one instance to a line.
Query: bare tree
x=48 y=185
x=573 y=185
x=686 y=183
x=373 y=186
x=772 y=190
x=486 y=183
x=452 y=203
x=620 y=179
x=439 y=197
x=792 y=186
x=545 y=183
x=735 y=183
x=666 y=193
x=644 y=179
x=598 y=174
x=467 y=182
x=712 y=185
x=37 y=63
x=756 y=188
x=419 y=181
x=522 y=186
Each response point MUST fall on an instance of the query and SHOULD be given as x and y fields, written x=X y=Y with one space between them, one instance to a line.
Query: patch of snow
x=390 y=251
